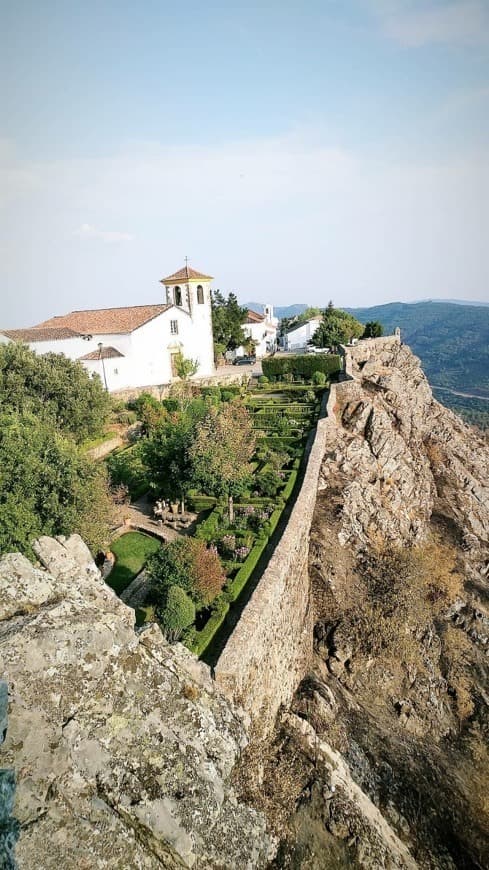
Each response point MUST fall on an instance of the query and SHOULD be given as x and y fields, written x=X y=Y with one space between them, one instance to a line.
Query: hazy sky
x=297 y=151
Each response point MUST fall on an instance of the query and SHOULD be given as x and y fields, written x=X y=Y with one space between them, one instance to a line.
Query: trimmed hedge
x=280 y=441
x=201 y=639
x=200 y=502
x=289 y=486
x=209 y=529
x=236 y=586
x=301 y=365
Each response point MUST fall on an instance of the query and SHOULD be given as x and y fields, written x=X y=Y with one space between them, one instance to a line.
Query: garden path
x=135 y=594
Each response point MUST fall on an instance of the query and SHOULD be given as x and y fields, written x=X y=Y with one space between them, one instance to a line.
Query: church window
x=174 y=327
x=200 y=294
x=178 y=296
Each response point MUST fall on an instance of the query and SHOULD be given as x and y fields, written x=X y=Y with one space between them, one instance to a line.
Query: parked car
x=311 y=349
x=244 y=361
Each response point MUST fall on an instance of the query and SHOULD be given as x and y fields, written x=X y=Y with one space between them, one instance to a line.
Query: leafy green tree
x=55 y=387
x=227 y=319
x=46 y=486
x=221 y=451
x=337 y=327
x=189 y=564
x=185 y=368
x=150 y=412
x=268 y=483
x=373 y=329
x=166 y=454
x=127 y=468
x=175 y=613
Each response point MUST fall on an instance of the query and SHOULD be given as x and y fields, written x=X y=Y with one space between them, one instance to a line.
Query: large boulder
x=122 y=746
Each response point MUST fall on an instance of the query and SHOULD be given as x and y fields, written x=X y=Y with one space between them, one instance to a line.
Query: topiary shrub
x=176 y=612
x=318 y=378
x=268 y=483
x=263 y=379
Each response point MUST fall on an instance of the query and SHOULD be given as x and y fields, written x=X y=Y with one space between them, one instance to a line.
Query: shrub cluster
x=301 y=365
x=189 y=564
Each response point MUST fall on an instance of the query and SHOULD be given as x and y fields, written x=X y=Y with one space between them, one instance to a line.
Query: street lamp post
x=100 y=346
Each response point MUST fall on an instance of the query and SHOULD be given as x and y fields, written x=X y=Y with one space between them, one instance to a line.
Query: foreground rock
x=122 y=747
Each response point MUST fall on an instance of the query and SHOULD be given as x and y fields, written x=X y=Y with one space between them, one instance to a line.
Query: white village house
x=297 y=338
x=134 y=346
x=262 y=329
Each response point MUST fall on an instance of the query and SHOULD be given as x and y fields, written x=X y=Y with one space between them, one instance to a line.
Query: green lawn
x=131 y=552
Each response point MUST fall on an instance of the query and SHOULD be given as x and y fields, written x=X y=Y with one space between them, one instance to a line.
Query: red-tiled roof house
x=134 y=346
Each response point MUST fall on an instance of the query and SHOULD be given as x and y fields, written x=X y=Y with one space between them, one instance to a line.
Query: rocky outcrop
x=388 y=738
x=122 y=746
x=401 y=457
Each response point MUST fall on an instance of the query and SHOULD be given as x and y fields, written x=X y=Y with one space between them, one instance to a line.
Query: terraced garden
x=234 y=536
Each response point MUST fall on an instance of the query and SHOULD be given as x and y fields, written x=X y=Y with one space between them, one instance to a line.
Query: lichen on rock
x=123 y=747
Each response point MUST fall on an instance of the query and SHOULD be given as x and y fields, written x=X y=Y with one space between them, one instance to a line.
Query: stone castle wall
x=268 y=652
x=220 y=379
x=356 y=354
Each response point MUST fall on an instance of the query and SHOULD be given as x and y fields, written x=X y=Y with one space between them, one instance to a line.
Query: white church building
x=138 y=345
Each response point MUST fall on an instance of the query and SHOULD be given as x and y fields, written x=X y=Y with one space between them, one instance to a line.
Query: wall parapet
x=363 y=350
x=162 y=391
x=270 y=648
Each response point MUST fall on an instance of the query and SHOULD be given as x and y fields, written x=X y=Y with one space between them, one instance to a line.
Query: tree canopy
x=373 y=329
x=337 y=327
x=54 y=387
x=190 y=565
x=166 y=453
x=175 y=612
x=46 y=486
x=185 y=368
x=222 y=449
x=227 y=319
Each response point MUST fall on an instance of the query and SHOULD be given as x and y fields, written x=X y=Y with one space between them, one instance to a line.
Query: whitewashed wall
x=298 y=338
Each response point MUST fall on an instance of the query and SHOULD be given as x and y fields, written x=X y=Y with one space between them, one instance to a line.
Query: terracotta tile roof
x=40 y=333
x=254 y=317
x=107 y=321
x=103 y=353
x=185 y=274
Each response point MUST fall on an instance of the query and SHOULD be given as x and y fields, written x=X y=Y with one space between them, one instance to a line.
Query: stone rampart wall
x=356 y=354
x=220 y=379
x=269 y=650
